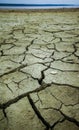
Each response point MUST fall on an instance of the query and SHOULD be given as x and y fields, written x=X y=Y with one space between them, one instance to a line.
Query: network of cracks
x=39 y=71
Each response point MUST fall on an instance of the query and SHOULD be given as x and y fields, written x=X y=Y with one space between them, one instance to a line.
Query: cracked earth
x=39 y=70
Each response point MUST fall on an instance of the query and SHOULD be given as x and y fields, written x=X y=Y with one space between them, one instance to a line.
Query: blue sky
x=42 y=1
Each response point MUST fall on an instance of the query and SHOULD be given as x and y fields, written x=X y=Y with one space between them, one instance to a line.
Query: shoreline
x=39 y=10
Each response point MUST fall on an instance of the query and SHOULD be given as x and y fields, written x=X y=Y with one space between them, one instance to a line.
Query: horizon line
x=10 y=4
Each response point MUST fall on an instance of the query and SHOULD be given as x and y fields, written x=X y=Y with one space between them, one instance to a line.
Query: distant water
x=37 y=6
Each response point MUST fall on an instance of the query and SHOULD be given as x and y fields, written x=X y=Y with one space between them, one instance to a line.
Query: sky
x=41 y=1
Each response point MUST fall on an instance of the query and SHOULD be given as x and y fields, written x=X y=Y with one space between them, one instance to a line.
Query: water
x=35 y=6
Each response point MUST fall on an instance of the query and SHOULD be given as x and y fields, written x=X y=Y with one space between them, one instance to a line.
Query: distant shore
x=40 y=10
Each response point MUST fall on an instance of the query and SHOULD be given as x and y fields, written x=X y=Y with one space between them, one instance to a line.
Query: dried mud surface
x=39 y=70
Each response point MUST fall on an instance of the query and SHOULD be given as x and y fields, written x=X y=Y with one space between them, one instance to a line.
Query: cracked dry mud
x=39 y=70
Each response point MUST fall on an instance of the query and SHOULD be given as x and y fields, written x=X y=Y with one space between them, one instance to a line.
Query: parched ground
x=39 y=70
